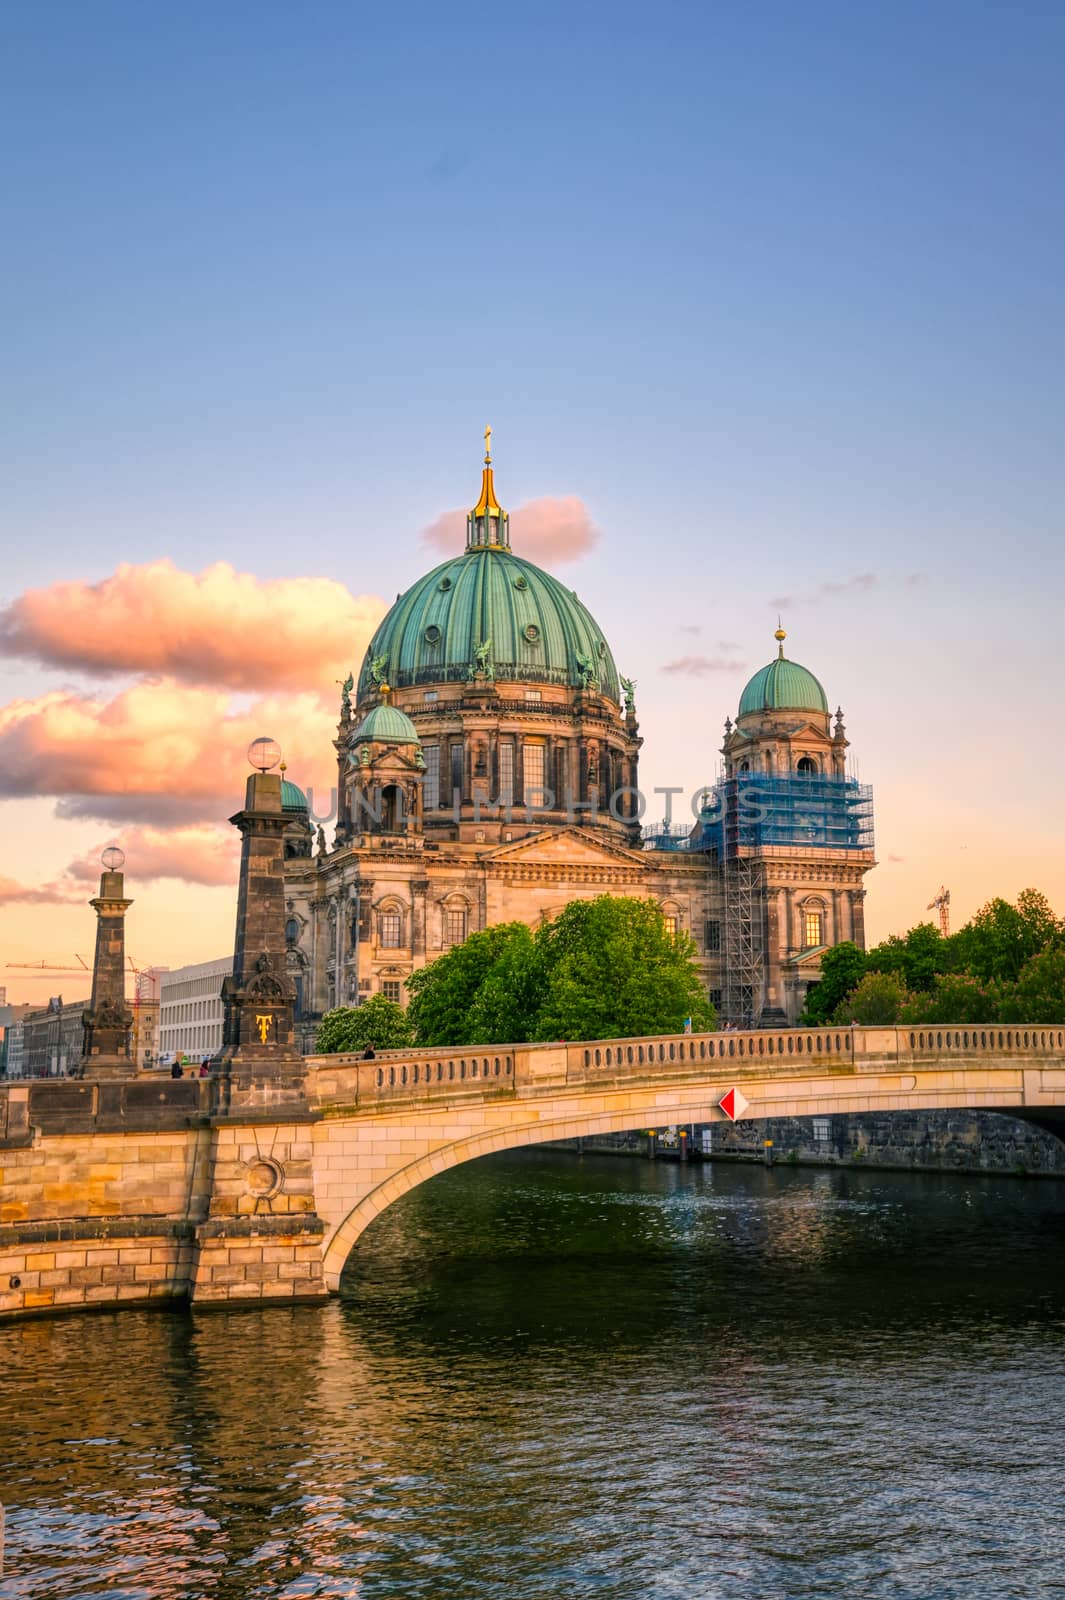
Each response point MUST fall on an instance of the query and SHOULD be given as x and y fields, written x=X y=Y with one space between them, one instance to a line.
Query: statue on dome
x=379 y=671
x=586 y=668
x=628 y=689
x=481 y=666
x=345 y=696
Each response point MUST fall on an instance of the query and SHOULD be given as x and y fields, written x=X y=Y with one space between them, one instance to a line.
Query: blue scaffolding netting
x=759 y=810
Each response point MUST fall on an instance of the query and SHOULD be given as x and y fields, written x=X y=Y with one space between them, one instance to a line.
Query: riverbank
x=966 y=1142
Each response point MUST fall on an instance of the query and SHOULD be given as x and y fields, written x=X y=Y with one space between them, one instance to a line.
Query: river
x=550 y=1376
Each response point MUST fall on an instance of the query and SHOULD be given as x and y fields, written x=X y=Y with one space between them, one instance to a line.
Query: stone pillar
x=261 y=1238
x=260 y=1062
x=109 y=1021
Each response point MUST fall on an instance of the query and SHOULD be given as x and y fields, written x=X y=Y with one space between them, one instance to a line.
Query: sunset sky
x=764 y=305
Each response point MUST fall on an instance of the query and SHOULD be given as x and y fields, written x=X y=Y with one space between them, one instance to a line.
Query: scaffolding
x=742 y=943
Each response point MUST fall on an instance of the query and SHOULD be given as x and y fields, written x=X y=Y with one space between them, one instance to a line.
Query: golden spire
x=780 y=636
x=487 y=505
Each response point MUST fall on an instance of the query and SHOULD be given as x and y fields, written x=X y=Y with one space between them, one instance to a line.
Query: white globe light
x=113 y=858
x=264 y=754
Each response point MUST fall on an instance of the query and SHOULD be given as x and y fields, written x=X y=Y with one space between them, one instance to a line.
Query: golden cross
x=263 y=1023
x=488 y=444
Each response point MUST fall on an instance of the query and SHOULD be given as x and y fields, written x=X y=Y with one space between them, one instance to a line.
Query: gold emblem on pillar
x=262 y=1022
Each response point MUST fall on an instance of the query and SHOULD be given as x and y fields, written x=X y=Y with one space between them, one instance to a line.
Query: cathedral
x=488 y=771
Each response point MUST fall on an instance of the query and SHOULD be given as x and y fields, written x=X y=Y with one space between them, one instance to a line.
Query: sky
x=763 y=304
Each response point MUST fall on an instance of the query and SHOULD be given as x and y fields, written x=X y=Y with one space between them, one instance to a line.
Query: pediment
x=566 y=846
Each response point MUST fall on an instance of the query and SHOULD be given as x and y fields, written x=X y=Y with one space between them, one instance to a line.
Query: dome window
x=445 y=585
x=521 y=582
x=432 y=634
x=532 y=633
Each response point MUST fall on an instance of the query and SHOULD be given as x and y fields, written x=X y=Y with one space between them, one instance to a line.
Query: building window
x=533 y=696
x=389 y=929
x=822 y=1129
x=506 y=773
x=454 y=927
x=713 y=936
x=813 y=925
x=533 y=755
x=715 y=999
x=457 y=770
x=671 y=925
x=391 y=989
x=431 y=780
x=431 y=697
x=807 y=767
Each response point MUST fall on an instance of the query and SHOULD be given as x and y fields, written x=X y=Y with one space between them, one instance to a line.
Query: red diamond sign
x=733 y=1104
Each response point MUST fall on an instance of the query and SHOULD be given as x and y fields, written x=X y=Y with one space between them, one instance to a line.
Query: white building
x=190 y=1009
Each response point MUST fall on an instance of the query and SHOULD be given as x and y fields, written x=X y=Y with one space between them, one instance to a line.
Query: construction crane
x=941 y=902
x=51 y=966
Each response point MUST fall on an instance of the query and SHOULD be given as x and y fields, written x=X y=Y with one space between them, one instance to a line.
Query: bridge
x=132 y=1190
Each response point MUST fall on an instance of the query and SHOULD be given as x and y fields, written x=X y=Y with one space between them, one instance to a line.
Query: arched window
x=292 y=931
x=807 y=767
x=813 y=926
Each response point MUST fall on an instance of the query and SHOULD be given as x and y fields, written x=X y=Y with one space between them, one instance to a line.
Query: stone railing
x=340 y=1083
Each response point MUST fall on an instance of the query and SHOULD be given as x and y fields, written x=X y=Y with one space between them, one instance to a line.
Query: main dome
x=488 y=613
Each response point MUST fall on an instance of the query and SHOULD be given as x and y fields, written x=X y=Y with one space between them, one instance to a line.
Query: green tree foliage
x=876 y=1002
x=1039 y=993
x=842 y=969
x=957 y=997
x=446 y=1006
x=612 y=970
x=1001 y=938
x=916 y=959
x=378 y=1022
x=604 y=968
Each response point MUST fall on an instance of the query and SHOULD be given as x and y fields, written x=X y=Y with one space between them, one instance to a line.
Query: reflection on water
x=550 y=1377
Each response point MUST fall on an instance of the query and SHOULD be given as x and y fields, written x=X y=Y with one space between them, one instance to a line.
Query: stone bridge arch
x=382 y=1134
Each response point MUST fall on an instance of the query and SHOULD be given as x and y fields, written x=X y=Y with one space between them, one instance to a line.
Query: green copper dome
x=292 y=798
x=536 y=629
x=387 y=725
x=783 y=686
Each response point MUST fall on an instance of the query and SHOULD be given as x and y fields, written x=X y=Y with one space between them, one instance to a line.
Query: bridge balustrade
x=347 y=1081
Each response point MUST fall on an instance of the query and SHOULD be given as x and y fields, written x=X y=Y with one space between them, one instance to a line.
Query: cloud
x=691 y=627
x=896 y=859
x=700 y=666
x=202 y=853
x=217 y=627
x=549 y=531
x=158 y=752
x=14 y=893
x=831 y=588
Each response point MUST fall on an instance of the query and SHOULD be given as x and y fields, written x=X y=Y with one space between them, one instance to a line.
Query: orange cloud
x=549 y=531
x=700 y=666
x=14 y=893
x=203 y=853
x=218 y=626
x=158 y=752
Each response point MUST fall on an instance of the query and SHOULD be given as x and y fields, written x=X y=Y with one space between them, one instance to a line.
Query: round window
x=532 y=633
x=445 y=584
x=432 y=634
x=521 y=582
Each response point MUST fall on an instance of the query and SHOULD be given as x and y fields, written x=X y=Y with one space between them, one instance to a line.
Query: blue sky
x=775 y=289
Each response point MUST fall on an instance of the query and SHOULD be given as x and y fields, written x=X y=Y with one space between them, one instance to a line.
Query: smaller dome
x=783 y=686
x=387 y=725
x=292 y=798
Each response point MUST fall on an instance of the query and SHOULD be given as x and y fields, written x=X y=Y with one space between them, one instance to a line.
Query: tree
x=444 y=995
x=916 y=958
x=1039 y=993
x=876 y=1002
x=1001 y=938
x=842 y=969
x=378 y=1022
x=611 y=969
x=957 y=997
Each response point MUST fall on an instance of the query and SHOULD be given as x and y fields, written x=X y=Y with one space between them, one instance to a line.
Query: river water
x=551 y=1376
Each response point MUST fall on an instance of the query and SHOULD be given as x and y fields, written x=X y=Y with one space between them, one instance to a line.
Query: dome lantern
x=488 y=526
x=783 y=685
